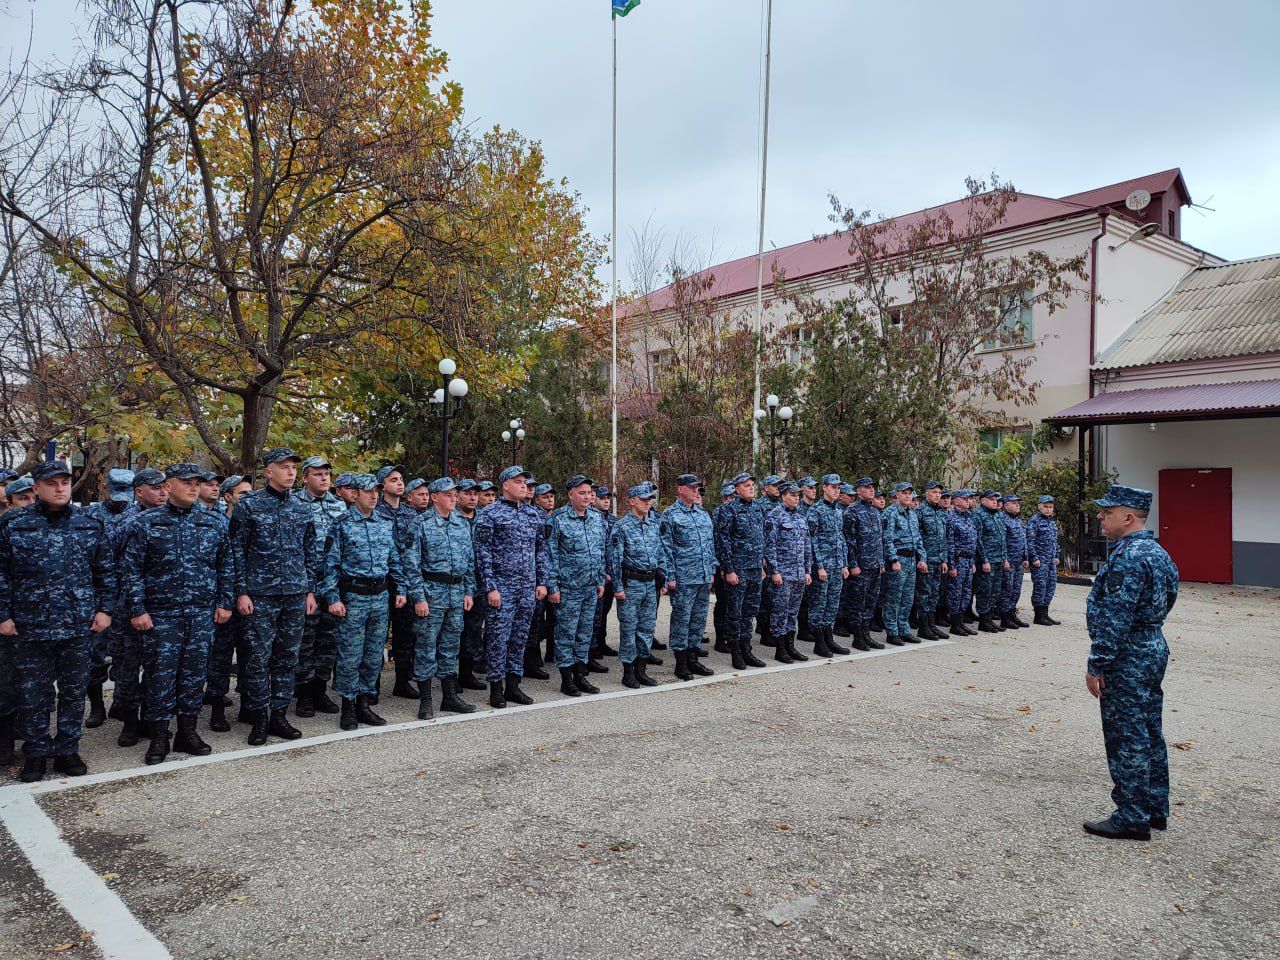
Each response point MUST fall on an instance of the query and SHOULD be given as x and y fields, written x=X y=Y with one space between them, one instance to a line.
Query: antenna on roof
x=1138 y=201
x=1197 y=207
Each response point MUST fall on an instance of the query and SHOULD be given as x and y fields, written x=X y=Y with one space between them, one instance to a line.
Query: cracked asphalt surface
x=926 y=804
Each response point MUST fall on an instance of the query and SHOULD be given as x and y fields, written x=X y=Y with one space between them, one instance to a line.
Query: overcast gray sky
x=889 y=105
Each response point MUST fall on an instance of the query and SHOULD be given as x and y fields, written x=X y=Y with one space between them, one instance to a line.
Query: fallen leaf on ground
x=784 y=826
x=110 y=876
x=1024 y=709
x=1185 y=746
x=1031 y=729
x=943 y=756
x=63 y=946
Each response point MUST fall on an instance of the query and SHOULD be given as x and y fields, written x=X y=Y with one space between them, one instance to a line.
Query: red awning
x=1201 y=401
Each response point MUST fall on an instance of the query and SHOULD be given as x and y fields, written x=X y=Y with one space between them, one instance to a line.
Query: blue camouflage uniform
x=471 y=647
x=962 y=545
x=442 y=571
x=56 y=573
x=1015 y=541
x=904 y=546
x=864 y=541
x=575 y=570
x=933 y=531
x=788 y=551
x=109 y=511
x=124 y=645
x=1131 y=597
x=740 y=550
x=402 y=517
x=600 y=622
x=719 y=613
x=177 y=569
x=511 y=559
x=992 y=549
x=362 y=558
x=830 y=553
x=689 y=561
x=318 y=650
x=635 y=564
x=1043 y=548
x=228 y=638
x=765 y=504
x=273 y=548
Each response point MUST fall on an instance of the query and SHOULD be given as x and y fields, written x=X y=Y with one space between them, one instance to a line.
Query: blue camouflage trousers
x=1044 y=583
x=438 y=635
x=928 y=586
x=125 y=646
x=175 y=653
x=637 y=615
x=864 y=592
x=719 y=614
x=98 y=655
x=42 y=658
x=784 y=613
x=506 y=629
x=960 y=587
x=824 y=598
x=227 y=639
x=600 y=620
x=986 y=588
x=1010 y=588
x=899 y=594
x=319 y=647
x=743 y=605
x=764 y=609
x=575 y=620
x=1132 y=704
x=472 y=642
x=8 y=691
x=361 y=637
x=274 y=633
x=689 y=615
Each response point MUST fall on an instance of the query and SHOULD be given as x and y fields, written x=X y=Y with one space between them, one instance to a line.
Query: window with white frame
x=1015 y=321
x=799 y=341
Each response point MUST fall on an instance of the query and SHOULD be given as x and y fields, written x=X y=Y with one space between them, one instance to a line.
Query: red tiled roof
x=1153 y=183
x=1249 y=398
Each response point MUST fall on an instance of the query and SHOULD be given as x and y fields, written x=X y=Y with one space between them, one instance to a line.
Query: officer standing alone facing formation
x=1131 y=597
x=57 y=588
x=273 y=549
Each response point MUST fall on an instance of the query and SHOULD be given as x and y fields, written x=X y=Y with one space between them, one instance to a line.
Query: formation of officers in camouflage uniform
x=174 y=575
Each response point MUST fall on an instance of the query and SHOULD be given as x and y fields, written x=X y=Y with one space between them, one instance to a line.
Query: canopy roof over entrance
x=1201 y=401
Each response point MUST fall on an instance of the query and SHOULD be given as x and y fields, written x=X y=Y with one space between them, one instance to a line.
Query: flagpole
x=613 y=369
x=764 y=172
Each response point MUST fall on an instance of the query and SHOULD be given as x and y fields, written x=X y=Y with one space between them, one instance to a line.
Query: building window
x=1015 y=322
x=799 y=342
x=659 y=360
x=994 y=439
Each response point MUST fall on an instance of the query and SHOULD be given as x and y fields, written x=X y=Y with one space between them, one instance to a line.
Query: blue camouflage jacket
x=864 y=535
x=1131 y=596
x=1042 y=539
x=609 y=522
x=826 y=533
x=740 y=536
x=902 y=542
x=1015 y=540
x=56 y=569
x=441 y=545
x=787 y=547
x=962 y=537
x=933 y=531
x=103 y=513
x=273 y=545
x=634 y=549
x=325 y=511
x=510 y=548
x=576 y=547
x=688 y=544
x=176 y=560
x=992 y=548
x=402 y=518
x=365 y=547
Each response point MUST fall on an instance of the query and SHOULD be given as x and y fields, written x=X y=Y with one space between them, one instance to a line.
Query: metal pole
x=1081 y=522
x=764 y=171
x=444 y=433
x=613 y=367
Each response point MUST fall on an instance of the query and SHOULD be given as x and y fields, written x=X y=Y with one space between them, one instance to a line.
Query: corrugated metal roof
x=1246 y=398
x=1229 y=310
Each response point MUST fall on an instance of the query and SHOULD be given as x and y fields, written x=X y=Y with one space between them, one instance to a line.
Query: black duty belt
x=906 y=553
x=965 y=556
x=635 y=573
x=450 y=578
x=363 y=586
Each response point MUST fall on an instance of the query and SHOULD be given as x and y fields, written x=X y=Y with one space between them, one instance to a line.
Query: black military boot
x=582 y=677
x=735 y=655
x=533 y=663
x=642 y=674
x=594 y=666
x=365 y=714
x=245 y=715
x=652 y=661
x=496 y=699
x=604 y=650
x=218 y=718
x=871 y=642
x=33 y=769
x=893 y=640
x=129 y=732
x=722 y=645
x=211 y=698
x=970 y=616
x=1017 y=619
x=348 y=721
x=1052 y=622
x=985 y=624
x=820 y=646
x=780 y=651
x=857 y=641
x=748 y=656
x=377 y=690
x=843 y=628
x=792 y=652
x=514 y=694
x=629 y=676
x=913 y=618
x=682 y=665
x=97 y=709
x=1041 y=617
x=6 y=740
x=466 y=675
x=279 y=726
x=1006 y=620
x=116 y=710
x=699 y=669
x=939 y=632
x=877 y=624
x=451 y=697
x=306 y=706
x=70 y=764
x=659 y=645
x=404 y=687
x=837 y=650
x=188 y=741
x=425 y=710
x=922 y=630
x=159 y=748
x=568 y=686
x=319 y=699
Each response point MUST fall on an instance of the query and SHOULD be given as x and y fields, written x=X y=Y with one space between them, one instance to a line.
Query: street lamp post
x=779 y=424
x=450 y=399
x=515 y=436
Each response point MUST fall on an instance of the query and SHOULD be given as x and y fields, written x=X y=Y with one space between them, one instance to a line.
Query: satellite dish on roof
x=1138 y=200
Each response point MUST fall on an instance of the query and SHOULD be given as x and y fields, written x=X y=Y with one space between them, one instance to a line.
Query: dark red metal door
x=1195 y=522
